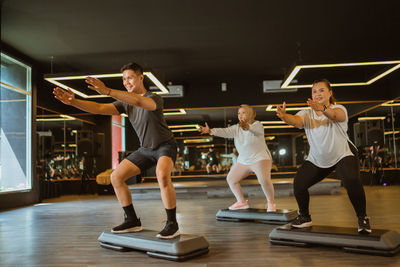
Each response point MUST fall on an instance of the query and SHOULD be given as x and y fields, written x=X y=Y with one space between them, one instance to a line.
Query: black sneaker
x=302 y=221
x=363 y=225
x=170 y=230
x=128 y=227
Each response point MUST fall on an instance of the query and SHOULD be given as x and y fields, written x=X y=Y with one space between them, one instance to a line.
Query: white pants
x=261 y=168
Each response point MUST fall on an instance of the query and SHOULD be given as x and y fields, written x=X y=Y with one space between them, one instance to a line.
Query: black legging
x=347 y=169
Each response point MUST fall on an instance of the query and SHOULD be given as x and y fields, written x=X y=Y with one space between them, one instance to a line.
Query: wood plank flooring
x=64 y=232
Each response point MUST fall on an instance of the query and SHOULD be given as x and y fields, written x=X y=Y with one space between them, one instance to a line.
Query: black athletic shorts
x=146 y=158
x=213 y=162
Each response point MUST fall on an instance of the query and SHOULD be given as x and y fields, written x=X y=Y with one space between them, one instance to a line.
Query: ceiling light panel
x=59 y=81
x=395 y=64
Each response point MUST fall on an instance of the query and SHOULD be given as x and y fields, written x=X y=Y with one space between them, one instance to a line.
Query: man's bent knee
x=163 y=178
x=116 y=180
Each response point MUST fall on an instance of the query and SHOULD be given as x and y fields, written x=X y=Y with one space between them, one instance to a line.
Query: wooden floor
x=64 y=231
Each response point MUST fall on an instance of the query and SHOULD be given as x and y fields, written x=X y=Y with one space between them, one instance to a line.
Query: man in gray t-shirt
x=146 y=122
x=158 y=147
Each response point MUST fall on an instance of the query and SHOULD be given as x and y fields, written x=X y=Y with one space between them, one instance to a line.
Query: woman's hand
x=66 y=97
x=97 y=85
x=204 y=129
x=315 y=105
x=281 y=110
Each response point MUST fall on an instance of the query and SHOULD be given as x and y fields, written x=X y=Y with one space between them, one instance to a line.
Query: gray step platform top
x=338 y=236
x=146 y=240
x=282 y=215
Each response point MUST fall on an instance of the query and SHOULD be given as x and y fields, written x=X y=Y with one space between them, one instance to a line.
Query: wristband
x=325 y=109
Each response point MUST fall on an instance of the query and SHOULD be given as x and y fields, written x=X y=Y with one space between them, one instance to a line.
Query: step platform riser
x=281 y=216
x=379 y=242
x=181 y=248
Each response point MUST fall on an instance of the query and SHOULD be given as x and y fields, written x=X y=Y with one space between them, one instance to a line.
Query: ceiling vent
x=274 y=86
x=174 y=90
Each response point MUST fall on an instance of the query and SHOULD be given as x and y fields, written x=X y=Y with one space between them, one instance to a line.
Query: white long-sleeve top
x=250 y=143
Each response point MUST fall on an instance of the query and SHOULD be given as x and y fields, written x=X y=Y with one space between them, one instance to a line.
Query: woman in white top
x=325 y=125
x=254 y=156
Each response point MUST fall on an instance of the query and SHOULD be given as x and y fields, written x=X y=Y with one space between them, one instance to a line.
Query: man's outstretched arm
x=123 y=96
x=68 y=98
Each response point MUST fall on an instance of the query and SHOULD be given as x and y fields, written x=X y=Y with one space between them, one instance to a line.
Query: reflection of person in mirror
x=213 y=163
x=179 y=165
x=157 y=144
x=254 y=156
x=233 y=159
x=325 y=125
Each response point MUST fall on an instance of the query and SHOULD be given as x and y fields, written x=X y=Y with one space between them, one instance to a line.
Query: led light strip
x=16 y=89
x=295 y=71
x=370 y=118
x=54 y=80
x=63 y=118
x=269 y=108
x=392 y=132
x=180 y=111
x=12 y=100
x=278 y=126
x=390 y=104
x=272 y=122
x=184 y=128
x=197 y=140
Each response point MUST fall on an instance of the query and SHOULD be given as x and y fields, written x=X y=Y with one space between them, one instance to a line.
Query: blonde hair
x=250 y=110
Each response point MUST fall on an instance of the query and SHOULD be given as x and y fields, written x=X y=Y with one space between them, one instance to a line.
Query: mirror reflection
x=67 y=144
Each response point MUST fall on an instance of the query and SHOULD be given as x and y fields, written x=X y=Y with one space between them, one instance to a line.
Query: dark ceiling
x=200 y=44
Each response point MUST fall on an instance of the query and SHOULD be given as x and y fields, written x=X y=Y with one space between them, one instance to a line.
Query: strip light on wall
x=273 y=122
x=278 y=126
x=61 y=117
x=13 y=88
x=270 y=108
x=197 y=140
x=391 y=104
x=371 y=118
x=392 y=132
x=179 y=111
x=184 y=128
x=56 y=81
x=296 y=70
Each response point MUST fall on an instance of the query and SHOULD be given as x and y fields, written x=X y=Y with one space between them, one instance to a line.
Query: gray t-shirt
x=150 y=126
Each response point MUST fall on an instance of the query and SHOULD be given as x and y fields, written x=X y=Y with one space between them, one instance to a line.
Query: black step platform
x=180 y=248
x=379 y=242
x=280 y=216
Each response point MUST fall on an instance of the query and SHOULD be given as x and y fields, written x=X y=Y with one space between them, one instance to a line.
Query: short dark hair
x=332 y=99
x=132 y=66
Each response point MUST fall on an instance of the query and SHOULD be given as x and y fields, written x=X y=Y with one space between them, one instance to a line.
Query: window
x=15 y=126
